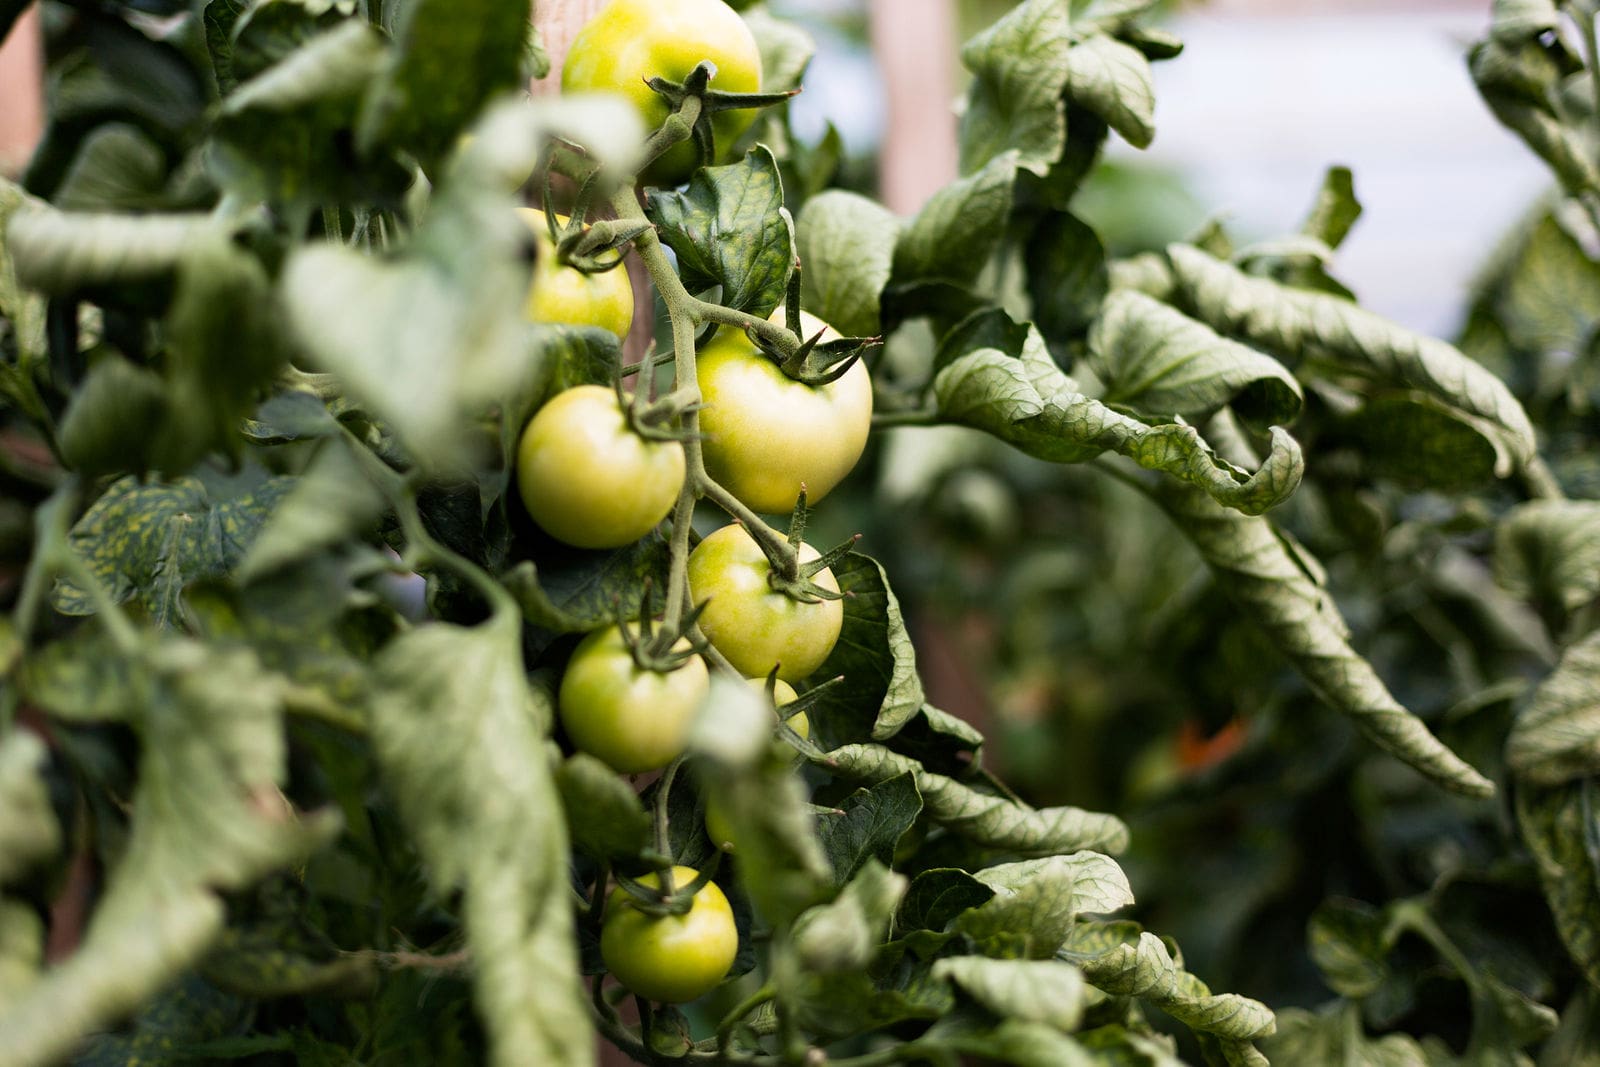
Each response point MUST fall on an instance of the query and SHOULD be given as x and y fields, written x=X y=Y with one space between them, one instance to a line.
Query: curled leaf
x=1261 y=569
x=989 y=820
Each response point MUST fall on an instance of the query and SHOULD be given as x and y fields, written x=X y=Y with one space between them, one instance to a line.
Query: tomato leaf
x=427 y=338
x=1261 y=569
x=151 y=540
x=286 y=134
x=1019 y=71
x=1414 y=440
x=1030 y=991
x=1335 y=1035
x=451 y=57
x=937 y=898
x=881 y=691
x=843 y=934
x=264 y=34
x=845 y=242
x=1036 y=903
x=1067 y=276
x=461 y=740
x=959 y=228
x=1559 y=827
x=57 y=252
x=1113 y=80
x=1556 y=738
x=1158 y=359
x=576 y=590
x=988 y=820
x=331 y=501
x=207 y=817
x=995 y=375
x=786 y=51
x=1318 y=327
x=730 y=228
x=1138 y=964
x=870 y=829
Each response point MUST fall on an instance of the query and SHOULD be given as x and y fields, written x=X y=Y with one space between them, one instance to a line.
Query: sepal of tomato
x=630 y=41
x=766 y=434
x=755 y=626
x=670 y=958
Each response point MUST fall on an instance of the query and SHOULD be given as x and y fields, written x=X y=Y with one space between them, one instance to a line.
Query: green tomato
x=756 y=627
x=634 y=720
x=670 y=958
x=588 y=479
x=566 y=294
x=630 y=41
x=767 y=434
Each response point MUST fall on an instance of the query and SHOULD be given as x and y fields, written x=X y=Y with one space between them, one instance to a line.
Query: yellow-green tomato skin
x=767 y=434
x=629 y=42
x=567 y=295
x=587 y=479
x=670 y=958
x=756 y=627
x=631 y=719
x=718 y=828
x=783 y=693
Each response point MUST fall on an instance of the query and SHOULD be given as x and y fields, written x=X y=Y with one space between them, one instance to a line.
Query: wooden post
x=914 y=42
x=21 y=93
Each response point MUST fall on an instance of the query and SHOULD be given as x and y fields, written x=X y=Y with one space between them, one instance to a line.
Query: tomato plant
x=563 y=293
x=631 y=41
x=769 y=435
x=759 y=628
x=670 y=958
x=589 y=478
x=634 y=718
x=1194 y=584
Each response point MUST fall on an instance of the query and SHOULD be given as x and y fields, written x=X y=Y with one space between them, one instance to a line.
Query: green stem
x=687 y=314
x=422 y=550
x=731 y=1021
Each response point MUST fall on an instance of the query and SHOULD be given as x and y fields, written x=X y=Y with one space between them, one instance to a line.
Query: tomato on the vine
x=754 y=625
x=670 y=958
x=630 y=41
x=587 y=478
x=560 y=293
x=766 y=433
x=633 y=719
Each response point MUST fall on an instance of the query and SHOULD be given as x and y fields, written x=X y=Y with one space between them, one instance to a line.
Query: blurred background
x=1268 y=94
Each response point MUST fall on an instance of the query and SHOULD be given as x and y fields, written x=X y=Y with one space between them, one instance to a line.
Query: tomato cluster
x=596 y=474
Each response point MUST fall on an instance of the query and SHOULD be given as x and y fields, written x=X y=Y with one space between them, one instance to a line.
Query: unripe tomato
x=634 y=720
x=767 y=433
x=670 y=958
x=631 y=41
x=755 y=626
x=565 y=294
x=587 y=478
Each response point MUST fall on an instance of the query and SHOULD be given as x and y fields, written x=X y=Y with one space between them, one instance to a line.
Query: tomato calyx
x=668 y=899
x=659 y=418
x=692 y=103
x=792 y=578
x=592 y=248
x=799 y=706
x=811 y=361
x=654 y=645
